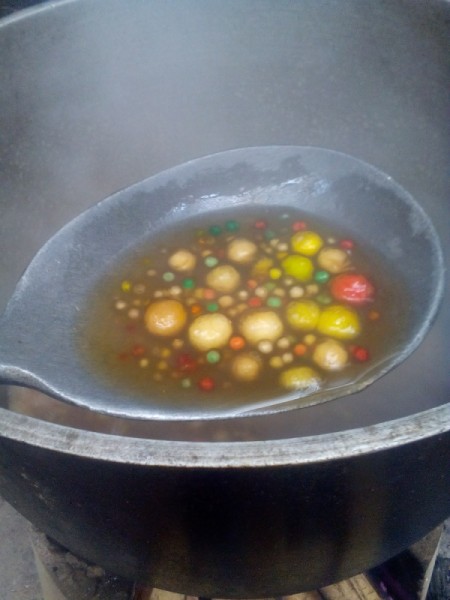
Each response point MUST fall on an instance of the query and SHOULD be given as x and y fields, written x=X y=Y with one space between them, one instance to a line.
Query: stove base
x=63 y=576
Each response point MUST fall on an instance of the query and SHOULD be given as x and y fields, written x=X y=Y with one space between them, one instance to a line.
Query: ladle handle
x=13 y=350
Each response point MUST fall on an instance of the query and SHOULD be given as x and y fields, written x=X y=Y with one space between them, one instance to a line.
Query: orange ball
x=165 y=318
x=236 y=342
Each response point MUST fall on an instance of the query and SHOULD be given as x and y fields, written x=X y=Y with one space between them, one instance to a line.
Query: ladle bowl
x=39 y=328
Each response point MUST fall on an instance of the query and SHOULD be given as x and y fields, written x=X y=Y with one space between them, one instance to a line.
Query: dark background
x=9 y=7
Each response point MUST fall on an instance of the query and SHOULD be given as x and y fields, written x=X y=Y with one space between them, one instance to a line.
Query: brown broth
x=119 y=348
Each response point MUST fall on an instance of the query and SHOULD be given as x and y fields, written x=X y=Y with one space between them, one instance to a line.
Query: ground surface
x=18 y=576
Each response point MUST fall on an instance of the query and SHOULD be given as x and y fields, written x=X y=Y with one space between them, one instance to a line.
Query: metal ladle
x=39 y=326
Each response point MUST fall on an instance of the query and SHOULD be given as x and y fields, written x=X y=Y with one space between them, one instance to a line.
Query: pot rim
x=219 y=455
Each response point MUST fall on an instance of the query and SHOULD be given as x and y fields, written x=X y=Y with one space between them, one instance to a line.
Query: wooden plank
x=141 y=593
x=304 y=596
x=437 y=584
x=355 y=588
x=162 y=595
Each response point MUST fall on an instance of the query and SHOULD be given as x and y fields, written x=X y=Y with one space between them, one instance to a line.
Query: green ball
x=274 y=301
x=321 y=276
x=213 y=356
x=232 y=226
x=168 y=276
x=215 y=230
x=211 y=261
x=188 y=283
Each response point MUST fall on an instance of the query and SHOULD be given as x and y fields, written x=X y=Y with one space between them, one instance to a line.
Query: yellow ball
x=306 y=242
x=261 y=267
x=300 y=378
x=303 y=315
x=299 y=267
x=339 y=322
x=275 y=273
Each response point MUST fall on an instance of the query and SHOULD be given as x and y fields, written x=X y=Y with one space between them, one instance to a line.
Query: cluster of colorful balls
x=244 y=297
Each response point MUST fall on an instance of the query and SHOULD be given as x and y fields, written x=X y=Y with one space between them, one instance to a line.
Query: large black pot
x=97 y=95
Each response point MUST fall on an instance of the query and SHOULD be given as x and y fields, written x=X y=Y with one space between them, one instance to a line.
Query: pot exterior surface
x=236 y=532
x=95 y=96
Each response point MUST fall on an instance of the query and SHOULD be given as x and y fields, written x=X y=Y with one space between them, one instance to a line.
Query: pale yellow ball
x=330 y=355
x=261 y=325
x=333 y=260
x=246 y=367
x=182 y=260
x=210 y=331
x=223 y=278
x=241 y=250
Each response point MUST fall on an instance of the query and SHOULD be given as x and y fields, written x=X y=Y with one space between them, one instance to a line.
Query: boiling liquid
x=118 y=347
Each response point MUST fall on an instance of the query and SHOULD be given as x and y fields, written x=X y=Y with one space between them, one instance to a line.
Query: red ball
x=138 y=350
x=299 y=226
x=260 y=224
x=186 y=363
x=254 y=302
x=347 y=244
x=360 y=353
x=352 y=288
x=206 y=384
